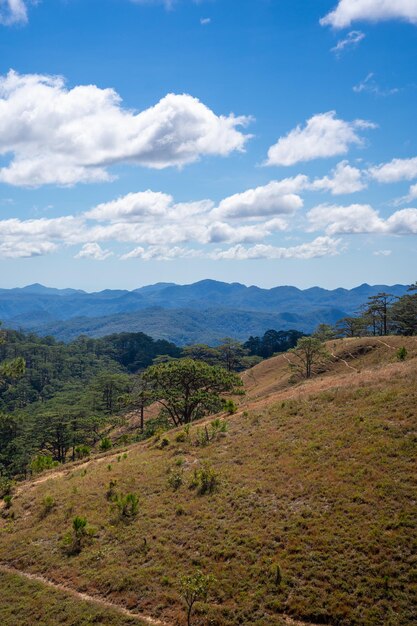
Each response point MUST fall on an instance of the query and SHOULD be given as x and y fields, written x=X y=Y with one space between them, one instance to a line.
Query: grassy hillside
x=316 y=477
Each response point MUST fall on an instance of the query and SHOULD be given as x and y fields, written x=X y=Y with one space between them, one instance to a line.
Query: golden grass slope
x=317 y=477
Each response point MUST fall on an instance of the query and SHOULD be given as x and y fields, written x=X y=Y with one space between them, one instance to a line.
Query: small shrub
x=74 y=541
x=402 y=353
x=105 y=444
x=181 y=437
x=164 y=443
x=41 y=463
x=82 y=452
x=195 y=588
x=175 y=478
x=127 y=506
x=8 y=501
x=6 y=487
x=230 y=407
x=111 y=491
x=48 y=504
x=205 y=480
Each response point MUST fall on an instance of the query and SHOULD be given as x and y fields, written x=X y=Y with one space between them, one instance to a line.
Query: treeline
x=382 y=314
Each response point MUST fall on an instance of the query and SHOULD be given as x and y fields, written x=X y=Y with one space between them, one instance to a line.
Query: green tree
x=195 y=588
x=231 y=354
x=324 y=332
x=308 y=353
x=351 y=326
x=404 y=313
x=377 y=312
x=189 y=389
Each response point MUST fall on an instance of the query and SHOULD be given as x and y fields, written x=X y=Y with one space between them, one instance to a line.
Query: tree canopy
x=188 y=389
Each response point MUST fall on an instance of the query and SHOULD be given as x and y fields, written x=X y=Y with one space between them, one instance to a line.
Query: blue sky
x=262 y=141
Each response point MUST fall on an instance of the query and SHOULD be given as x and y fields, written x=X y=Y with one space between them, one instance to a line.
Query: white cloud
x=133 y=207
x=361 y=218
x=395 y=171
x=348 y=11
x=355 y=218
x=403 y=222
x=344 y=179
x=26 y=249
x=93 y=251
x=351 y=40
x=161 y=253
x=382 y=253
x=13 y=12
x=275 y=198
x=64 y=136
x=56 y=229
x=324 y=135
x=322 y=246
x=205 y=21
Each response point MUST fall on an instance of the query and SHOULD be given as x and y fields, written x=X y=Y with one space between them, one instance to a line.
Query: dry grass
x=317 y=476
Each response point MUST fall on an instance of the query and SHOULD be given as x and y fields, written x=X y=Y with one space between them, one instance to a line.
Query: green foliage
x=105 y=444
x=41 y=463
x=6 y=486
x=402 y=353
x=189 y=389
x=205 y=480
x=175 y=477
x=127 y=506
x=8 y=501
x=272 y=342
x=195 y=588
x=48 y=505
x=75 y=540
x=230 y=407
x=83 y=451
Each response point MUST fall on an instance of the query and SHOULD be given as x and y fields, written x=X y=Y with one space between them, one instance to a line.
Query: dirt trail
x=338 y=358
x=106 y=604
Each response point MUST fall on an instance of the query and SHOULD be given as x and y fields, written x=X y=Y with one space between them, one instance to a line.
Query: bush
x=82 y=452
x=205 y=480
x=176 y=478
x=111 y=491
x=74 y=541
x=402 y=353
x=42 y=462
x=164 y=442
x=8 y=501
x=127 y=506
x=6 y=487
x=48 y=504
x=105 y=444
x=230 y=407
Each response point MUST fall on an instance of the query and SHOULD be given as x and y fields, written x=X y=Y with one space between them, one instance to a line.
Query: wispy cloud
x=369 y=85
x=13 y=12
x=352 y=40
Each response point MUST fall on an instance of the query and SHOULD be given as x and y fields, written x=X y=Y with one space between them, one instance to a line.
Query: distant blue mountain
x=205 y=308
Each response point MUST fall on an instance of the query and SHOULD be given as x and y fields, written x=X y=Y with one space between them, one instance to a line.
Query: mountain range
x=205 y=311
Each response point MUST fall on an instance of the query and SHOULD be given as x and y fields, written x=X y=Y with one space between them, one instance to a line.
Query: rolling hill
x=205 y=311
x=312 y=520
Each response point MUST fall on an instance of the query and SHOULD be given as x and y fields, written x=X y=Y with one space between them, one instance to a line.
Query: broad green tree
x=188 y=390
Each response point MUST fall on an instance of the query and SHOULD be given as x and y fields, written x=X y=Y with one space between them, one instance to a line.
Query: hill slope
x=317 y=477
